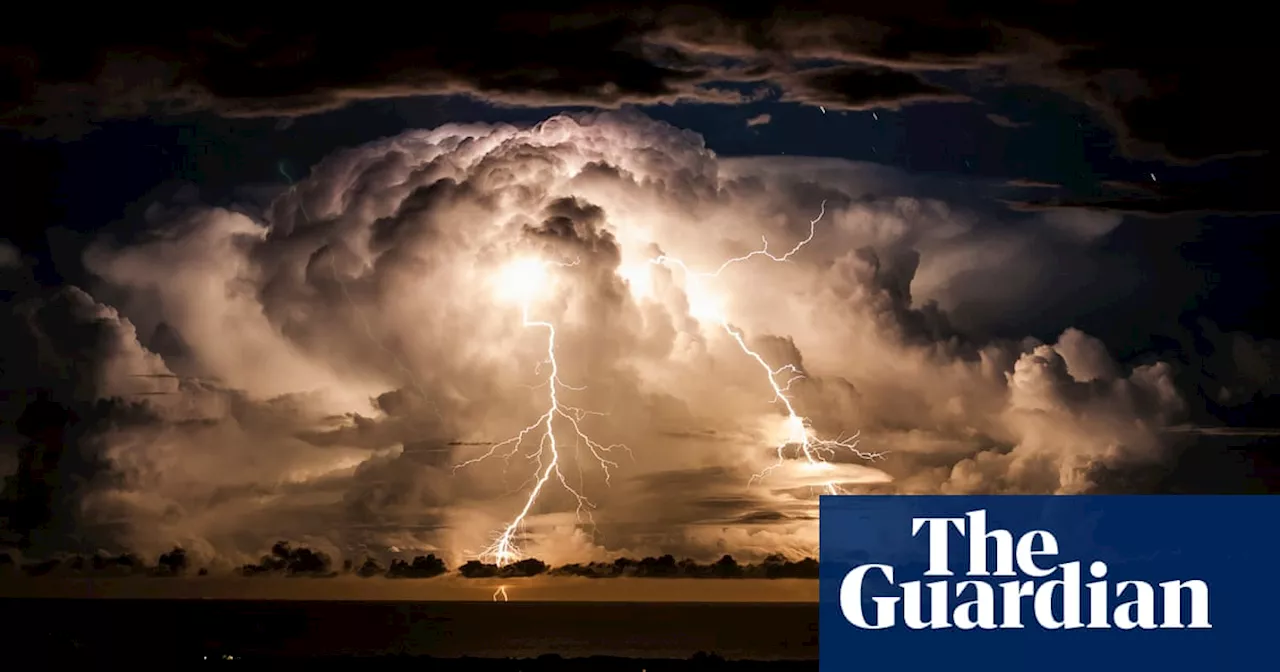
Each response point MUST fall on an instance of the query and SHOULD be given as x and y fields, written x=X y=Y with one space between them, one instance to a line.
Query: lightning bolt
x=500 y=595
x=800 y=433
x=547 y=449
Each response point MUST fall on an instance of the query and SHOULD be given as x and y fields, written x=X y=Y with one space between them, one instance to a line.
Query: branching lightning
x=544 y=440
x=500 y=595
x=799 y=431
x=522 y=281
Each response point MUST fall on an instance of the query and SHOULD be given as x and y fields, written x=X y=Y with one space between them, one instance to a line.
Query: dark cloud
x=1174 y=85
x=858 y=88
x=1006 y=122
x=1130 y=187
x=1243 y=191
x=1022 y=183
x=1151 y=207
x=286 y=65
x=62 y=354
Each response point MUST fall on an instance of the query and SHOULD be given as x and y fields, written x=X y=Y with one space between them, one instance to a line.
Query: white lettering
x=1145 y=606
x=938 y=565
x=979 y=612
x=851 y=598
x=978 y=537
x=1098 y=596
x=1055 y=604
x=1027 y=552
x=1070 y=585
x=1013 y=592
x=1173 y=603
x=911 y=604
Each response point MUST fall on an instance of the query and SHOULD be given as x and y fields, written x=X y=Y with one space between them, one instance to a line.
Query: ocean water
x=164 y=627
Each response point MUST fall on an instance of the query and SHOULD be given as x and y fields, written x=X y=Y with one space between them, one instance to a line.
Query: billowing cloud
x=315 y=371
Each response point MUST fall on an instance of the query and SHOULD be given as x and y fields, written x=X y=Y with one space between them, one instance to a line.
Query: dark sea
x=173 y=628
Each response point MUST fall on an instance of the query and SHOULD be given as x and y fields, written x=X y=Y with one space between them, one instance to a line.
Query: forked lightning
x=524 y=280
x=800 y=432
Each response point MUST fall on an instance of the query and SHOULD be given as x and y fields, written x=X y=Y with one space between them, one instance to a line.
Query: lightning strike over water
x=799 y=431
x=523 y=281
x=500 y=595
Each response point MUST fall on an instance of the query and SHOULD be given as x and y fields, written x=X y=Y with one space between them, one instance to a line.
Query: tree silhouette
x=285 y=559
x=371 y=568
x=422 y=567
x=666 y=566
x=474 y=569
x=173 y=563
x=524 y=568
x=291 y=561
x=727 y=568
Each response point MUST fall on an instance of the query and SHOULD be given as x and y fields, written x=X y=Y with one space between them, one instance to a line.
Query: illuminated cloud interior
x=317 y=370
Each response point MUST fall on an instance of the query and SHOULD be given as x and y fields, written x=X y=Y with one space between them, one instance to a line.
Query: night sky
x=247 y=296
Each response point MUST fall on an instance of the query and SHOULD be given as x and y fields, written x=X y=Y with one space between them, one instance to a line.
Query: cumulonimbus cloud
x=313 y=371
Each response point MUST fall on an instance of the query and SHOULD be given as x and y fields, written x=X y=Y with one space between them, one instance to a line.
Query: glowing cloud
x=527 y=279
x=798 y=432
x=439 y=343
x=522 y=281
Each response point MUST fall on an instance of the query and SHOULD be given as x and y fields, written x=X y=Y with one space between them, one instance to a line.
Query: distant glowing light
x=797 y=432
x=639 y=279
x=704 y=304
x=522 y=281
x=816 y=467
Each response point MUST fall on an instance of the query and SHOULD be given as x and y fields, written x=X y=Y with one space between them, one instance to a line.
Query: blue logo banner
x=1049 y=583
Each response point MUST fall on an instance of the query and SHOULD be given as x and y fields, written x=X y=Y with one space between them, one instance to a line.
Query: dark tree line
x=173 y=563
x=666 y=566
x=421 y=567
x=290 y=561
x=285 y=559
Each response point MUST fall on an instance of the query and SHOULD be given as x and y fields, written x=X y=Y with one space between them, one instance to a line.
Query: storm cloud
x=1158 y=80
x=314 y=371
